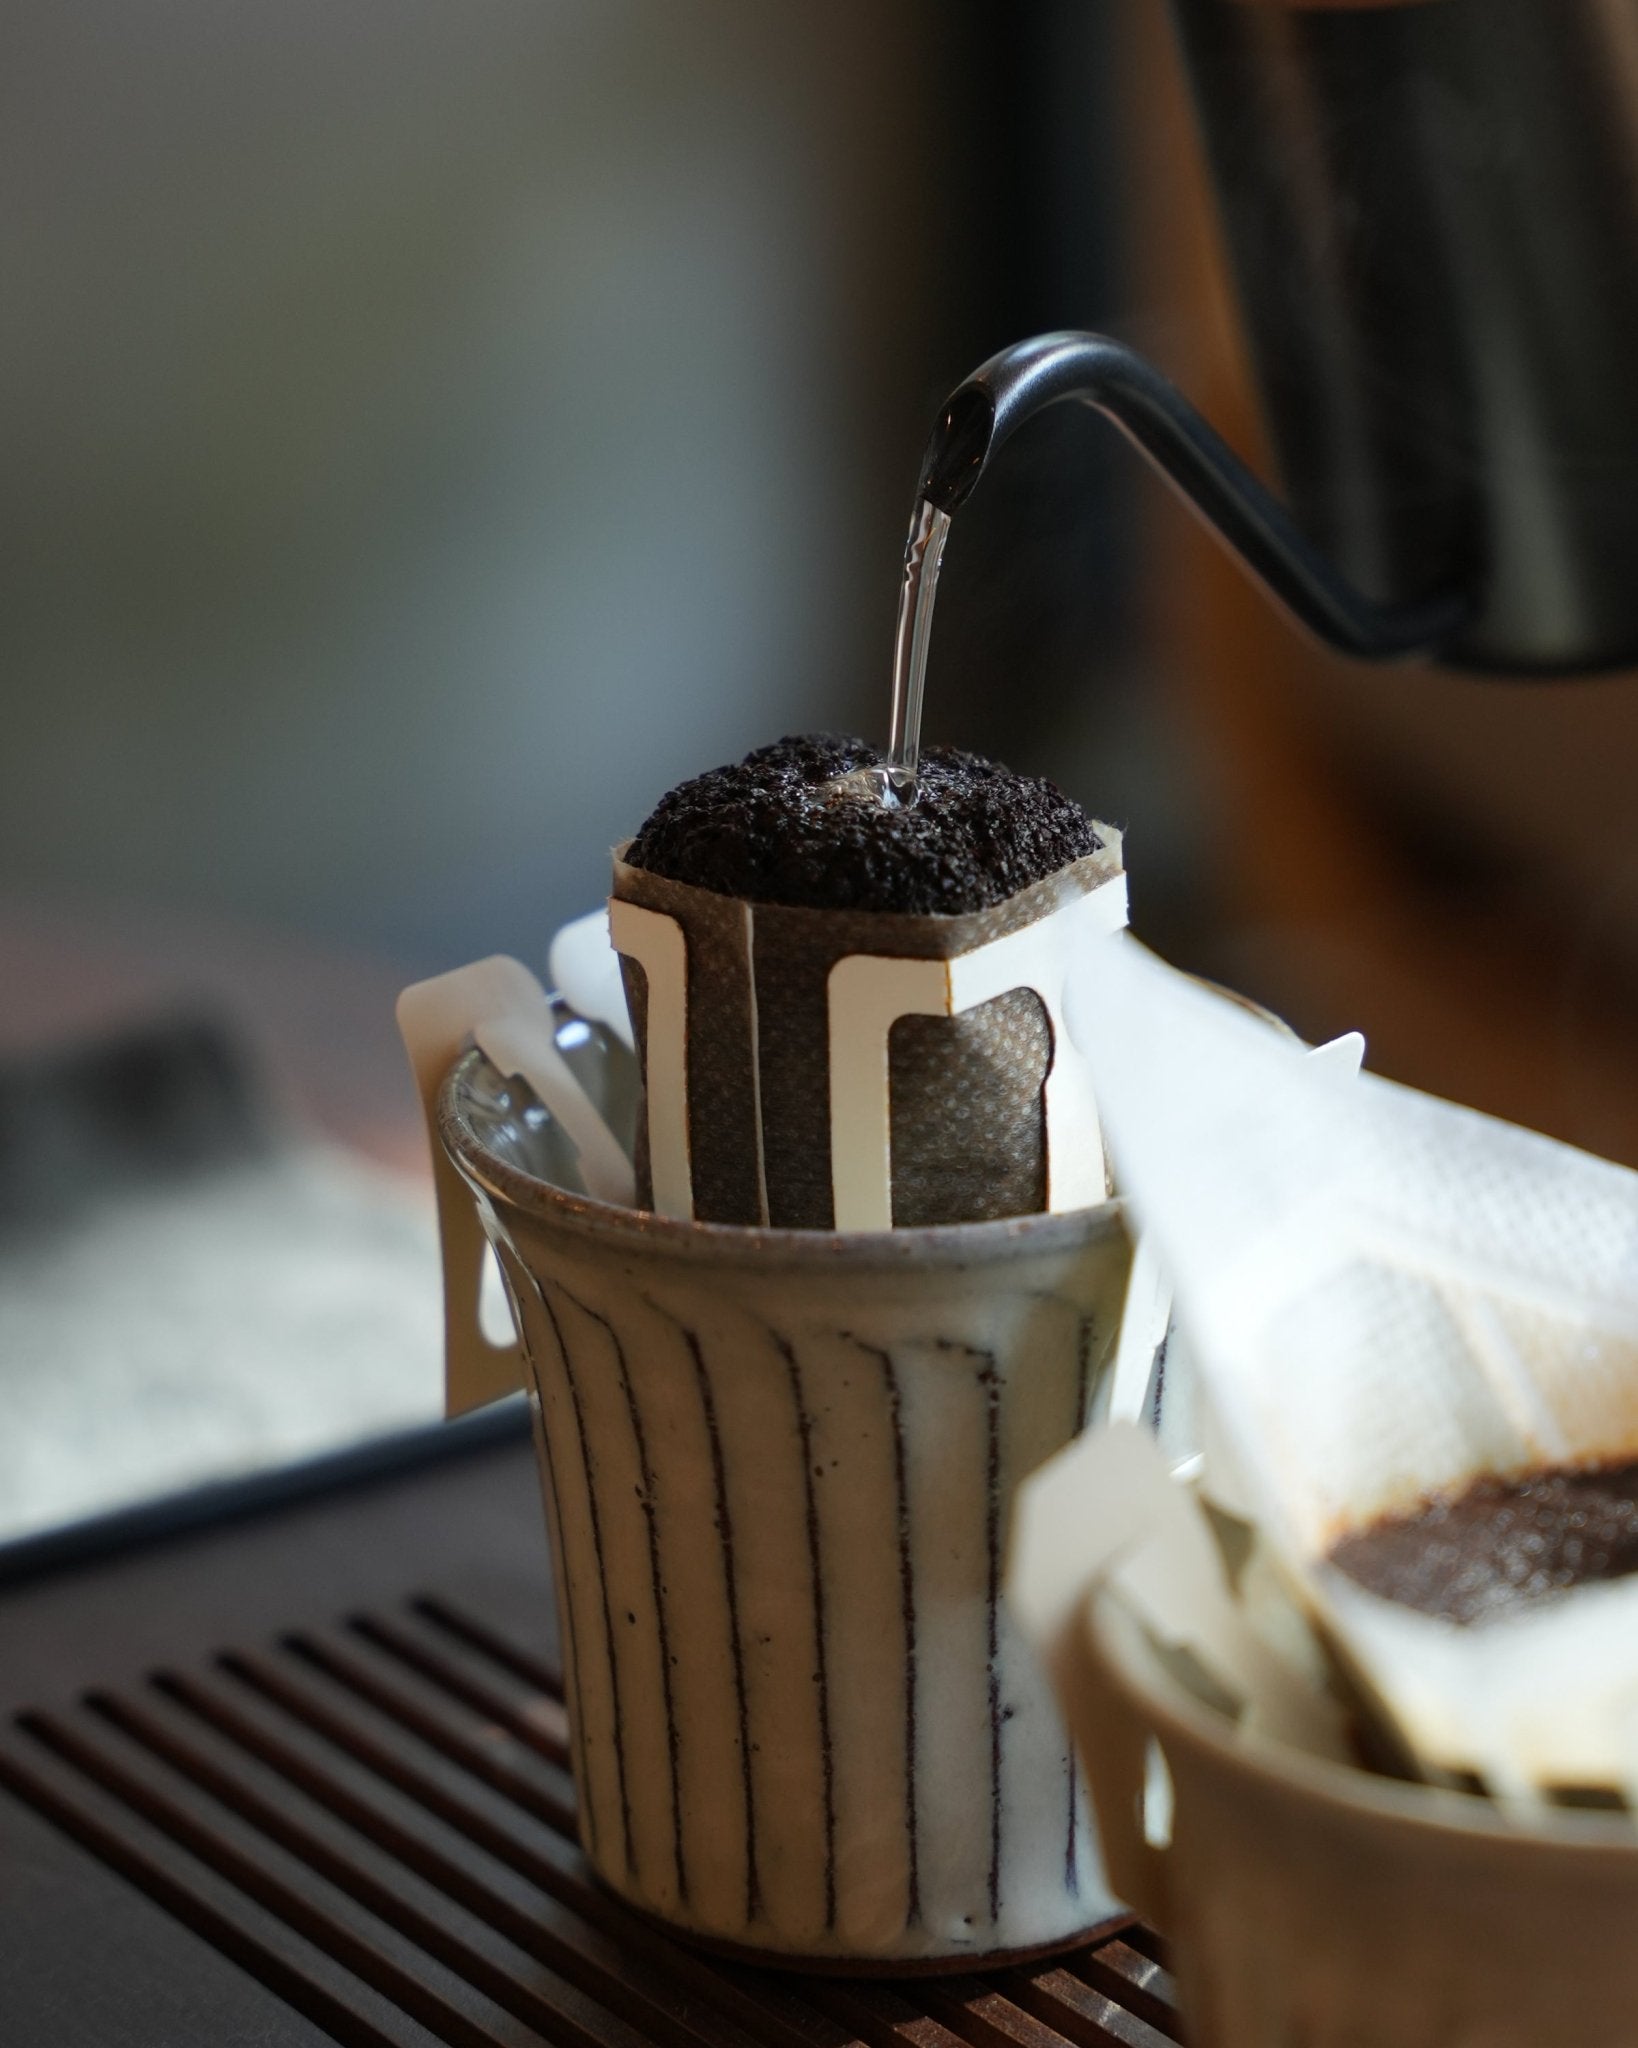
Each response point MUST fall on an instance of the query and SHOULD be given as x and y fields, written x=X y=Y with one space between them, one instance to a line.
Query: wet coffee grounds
x=1501 y=1544
x=767 y=829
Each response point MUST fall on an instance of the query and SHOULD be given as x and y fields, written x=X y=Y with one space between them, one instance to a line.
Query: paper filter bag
x=854 y=1069
x=1386 y=1296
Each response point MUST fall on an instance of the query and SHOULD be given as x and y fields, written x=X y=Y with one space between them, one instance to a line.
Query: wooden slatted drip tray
x=376 y=1821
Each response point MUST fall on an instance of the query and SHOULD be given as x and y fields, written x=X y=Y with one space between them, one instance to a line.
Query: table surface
x=299 y=1775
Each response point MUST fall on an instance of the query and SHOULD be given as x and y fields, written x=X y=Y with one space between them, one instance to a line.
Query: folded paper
x=498 y=1005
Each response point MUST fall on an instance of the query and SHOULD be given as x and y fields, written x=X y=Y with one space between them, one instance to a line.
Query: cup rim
x=1118 y=1638
x=939 y=1244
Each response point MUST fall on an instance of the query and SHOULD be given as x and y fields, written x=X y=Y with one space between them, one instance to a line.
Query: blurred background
x=432 y=431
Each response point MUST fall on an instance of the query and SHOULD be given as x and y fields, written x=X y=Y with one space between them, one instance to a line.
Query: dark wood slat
x=539 y=1723
x=797 y=2001
x=551 y=1856
x=608 y=1971
x=882 y=2014
x=551 y=2010
x=365 y=1959
x=551 y=1801
x=1141 y=1936
x=1081 y=2014
x=549 y=1860
x=976 y=2013
x=1122 y=1972
x=478 y=1634
x=188 y=1903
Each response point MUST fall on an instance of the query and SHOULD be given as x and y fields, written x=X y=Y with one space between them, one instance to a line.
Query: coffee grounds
x=1500 y=1543
x=767 y=830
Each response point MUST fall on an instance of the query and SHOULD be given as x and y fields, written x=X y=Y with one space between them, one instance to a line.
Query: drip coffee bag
x=849 y=1015
x=1415 y=1328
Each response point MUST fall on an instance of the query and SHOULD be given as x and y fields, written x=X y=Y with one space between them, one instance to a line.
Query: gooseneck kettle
x=1431 y=208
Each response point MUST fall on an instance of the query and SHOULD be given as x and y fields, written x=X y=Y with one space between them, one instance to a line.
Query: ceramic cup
x=779 y=1469
x=1316 y=1904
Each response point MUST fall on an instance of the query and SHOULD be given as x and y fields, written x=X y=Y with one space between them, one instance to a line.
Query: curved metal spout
x=1019 y=382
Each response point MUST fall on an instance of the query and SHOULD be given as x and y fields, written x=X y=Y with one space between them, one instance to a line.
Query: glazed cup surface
x=1316 y=1904
x=779 y=1469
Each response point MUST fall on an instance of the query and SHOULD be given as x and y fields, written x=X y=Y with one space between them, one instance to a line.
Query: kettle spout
x=981 y=414
x=960 y=448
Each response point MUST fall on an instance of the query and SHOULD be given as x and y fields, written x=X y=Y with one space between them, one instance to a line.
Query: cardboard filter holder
x=819 y=1069
x=779 y=1461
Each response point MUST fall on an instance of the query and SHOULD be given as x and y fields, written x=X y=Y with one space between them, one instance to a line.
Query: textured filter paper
x=1385 y=1296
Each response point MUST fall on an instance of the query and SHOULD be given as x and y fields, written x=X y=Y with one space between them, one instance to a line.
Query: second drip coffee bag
x=849 y=1014
x=1416 y=1333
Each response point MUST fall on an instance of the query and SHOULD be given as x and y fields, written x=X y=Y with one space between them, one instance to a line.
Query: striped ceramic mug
x=779 y=1469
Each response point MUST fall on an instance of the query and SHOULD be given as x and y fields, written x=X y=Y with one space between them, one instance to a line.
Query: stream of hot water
x=894 y=782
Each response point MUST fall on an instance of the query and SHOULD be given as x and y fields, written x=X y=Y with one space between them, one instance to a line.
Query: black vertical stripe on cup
x=730 y=1583
x=645 y=1473
x=562 y=1578
x=821 y=1648
x=989 y=1385
x=907 y=1611
x=1086 y=1332
x=589 y=1467
x=989 y=1381
x=512 y=1270
x=1158 y=1398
